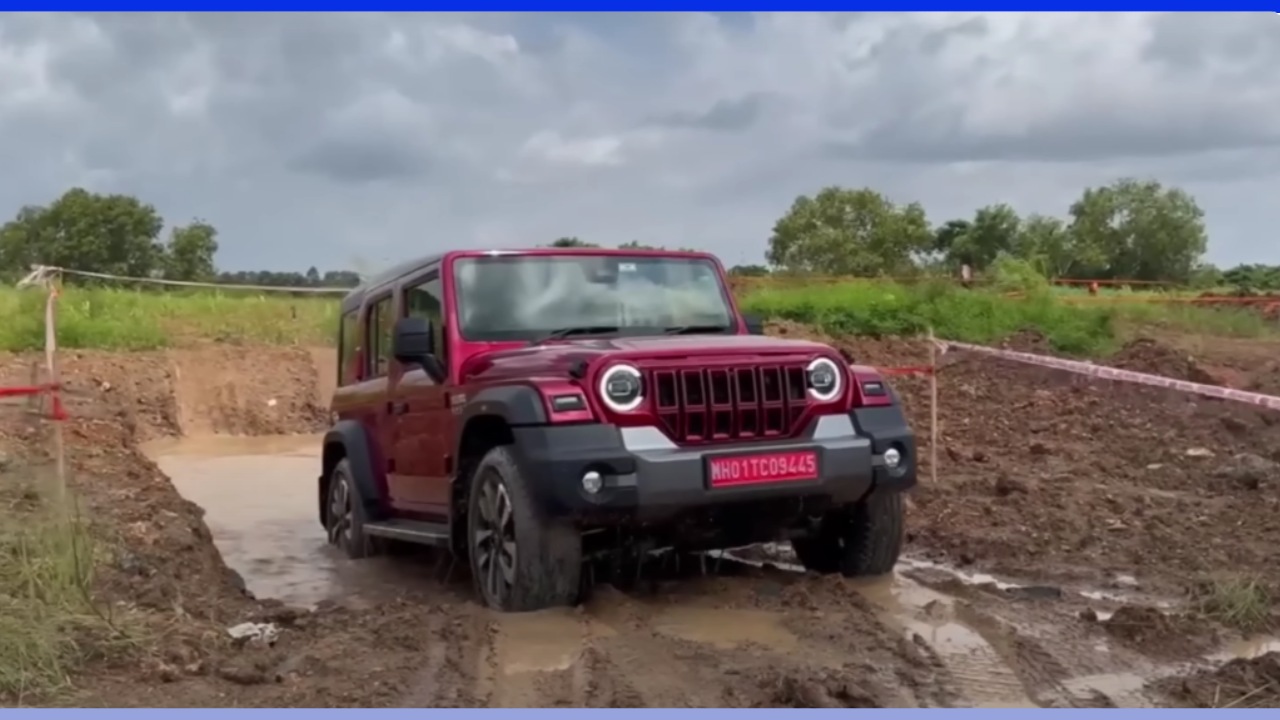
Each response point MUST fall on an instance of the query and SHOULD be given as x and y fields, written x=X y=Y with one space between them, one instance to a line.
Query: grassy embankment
x=112 y=318
x=50 y=623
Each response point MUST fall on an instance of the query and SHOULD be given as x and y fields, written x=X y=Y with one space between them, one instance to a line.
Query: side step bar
x=414 y=531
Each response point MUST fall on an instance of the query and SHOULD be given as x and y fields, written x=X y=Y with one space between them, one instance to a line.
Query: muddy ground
x=1077 y=549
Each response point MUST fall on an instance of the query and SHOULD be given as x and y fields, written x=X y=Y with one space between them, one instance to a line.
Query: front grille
x=725 y=404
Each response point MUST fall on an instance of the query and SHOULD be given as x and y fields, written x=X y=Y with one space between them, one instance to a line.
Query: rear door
x=379 y=388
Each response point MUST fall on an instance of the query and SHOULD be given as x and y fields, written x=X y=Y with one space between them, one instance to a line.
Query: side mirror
x=754 y=323
x=413 y=342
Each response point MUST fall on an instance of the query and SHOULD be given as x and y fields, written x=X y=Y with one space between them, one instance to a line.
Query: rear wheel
x=862 y=539
x=344 y=518
x=520 y=560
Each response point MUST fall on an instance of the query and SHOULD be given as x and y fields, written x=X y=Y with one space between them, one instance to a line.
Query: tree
x=637 y=245
x=849 y=232
x=1045 y=243
x=113 y=234
x=570 y=242
x=1138 y=230
x=993 y=231
x=749 y=271
x=947 y=234
x=189 y=255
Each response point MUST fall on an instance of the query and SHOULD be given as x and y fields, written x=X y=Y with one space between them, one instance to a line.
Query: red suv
x=535 y=410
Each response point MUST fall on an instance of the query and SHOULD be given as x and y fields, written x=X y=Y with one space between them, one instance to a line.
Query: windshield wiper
x=563 y=333
x=690 y=329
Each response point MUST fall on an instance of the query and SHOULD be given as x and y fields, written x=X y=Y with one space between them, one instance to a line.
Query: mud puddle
x=259 y=498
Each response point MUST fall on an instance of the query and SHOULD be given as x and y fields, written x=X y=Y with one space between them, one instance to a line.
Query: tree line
x=121 y=235
x=1129 y=230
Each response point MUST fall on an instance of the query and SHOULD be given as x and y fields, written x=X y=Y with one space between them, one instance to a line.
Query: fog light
x=592 y=482
x=892 y=458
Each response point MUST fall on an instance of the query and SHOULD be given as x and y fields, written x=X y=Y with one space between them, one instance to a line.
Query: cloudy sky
x=358 y=140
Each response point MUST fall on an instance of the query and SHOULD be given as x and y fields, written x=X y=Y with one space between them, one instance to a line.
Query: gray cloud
x=729 y=115
x=313 y=138
x=360 y=160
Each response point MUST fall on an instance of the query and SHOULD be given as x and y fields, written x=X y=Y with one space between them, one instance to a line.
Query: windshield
x=525 y=297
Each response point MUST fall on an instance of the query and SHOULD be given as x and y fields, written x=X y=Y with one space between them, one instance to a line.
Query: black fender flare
x=518 y=405
x=351 y=436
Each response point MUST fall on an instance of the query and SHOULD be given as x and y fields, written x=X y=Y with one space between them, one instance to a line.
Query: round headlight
x=621 y=389
x=824 y=379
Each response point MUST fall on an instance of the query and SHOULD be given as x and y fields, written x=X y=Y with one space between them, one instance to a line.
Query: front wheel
x=860 y=540
x=520 y=560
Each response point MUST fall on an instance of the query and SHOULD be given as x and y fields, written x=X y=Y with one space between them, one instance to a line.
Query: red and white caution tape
x=1109 y=373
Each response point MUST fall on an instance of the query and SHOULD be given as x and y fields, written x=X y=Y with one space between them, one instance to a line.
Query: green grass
x=979 y=316
x=125 y=319
x=49 y=623
x=128 y=319
x=1243 y=603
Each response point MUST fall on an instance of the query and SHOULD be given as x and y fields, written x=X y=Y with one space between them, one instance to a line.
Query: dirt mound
x=1028 y=341
x=158 y=559
x=1242 y=683
x=1048 y=475
x=116 y=401
x=1266 y=379
x=1149 y=356
x=270 y=391
x=1160 y=634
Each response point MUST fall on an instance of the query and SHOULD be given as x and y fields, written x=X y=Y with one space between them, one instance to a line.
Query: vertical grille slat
x=725 y=404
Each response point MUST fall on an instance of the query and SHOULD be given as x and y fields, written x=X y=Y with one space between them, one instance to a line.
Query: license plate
x=737 y=470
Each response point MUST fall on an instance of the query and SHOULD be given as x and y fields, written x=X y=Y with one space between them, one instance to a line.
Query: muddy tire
x=520 y=560
x=344 y=516
x=864 y=539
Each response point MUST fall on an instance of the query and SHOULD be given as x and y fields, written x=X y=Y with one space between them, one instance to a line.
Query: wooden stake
x=55 y=378
x=933 y=409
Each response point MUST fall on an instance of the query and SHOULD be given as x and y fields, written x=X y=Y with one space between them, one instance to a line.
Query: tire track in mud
x=981 y=677
x=1059 y=662
x=457 y=638
x=721 y=645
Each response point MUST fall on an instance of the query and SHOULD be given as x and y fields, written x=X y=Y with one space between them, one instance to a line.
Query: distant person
x=966 y=275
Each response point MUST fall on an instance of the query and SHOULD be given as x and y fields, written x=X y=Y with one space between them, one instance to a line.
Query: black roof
x=352 y=300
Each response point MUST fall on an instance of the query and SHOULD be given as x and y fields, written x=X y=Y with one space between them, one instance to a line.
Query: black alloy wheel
x=341 y=511
x=493 y=539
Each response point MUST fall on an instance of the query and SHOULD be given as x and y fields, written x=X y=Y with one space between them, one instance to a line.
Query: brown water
x=260 y=502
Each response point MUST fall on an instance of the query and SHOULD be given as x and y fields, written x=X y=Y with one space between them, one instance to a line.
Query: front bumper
x=648 y=478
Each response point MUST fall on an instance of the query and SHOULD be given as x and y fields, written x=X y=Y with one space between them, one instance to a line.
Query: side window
x=426 y=300
x=349 y=349
x=379 y=325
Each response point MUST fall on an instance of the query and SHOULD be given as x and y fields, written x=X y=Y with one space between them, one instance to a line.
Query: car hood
x=555 y=358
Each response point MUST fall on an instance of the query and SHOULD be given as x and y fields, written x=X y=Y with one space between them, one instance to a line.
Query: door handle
x=397 y=408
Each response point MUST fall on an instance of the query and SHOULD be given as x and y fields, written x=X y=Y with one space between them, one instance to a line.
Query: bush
x=1011 y=274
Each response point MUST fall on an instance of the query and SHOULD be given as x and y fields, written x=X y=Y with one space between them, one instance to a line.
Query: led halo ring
x=835 y=390
x=608 y=376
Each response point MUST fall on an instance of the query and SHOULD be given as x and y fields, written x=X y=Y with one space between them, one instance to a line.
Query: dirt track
x=1083 y=499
